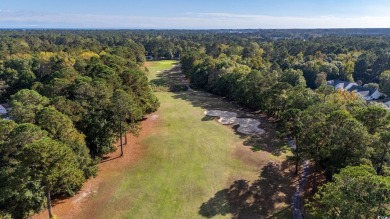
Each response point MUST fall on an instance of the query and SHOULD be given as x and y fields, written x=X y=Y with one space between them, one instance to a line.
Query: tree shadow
x=162 y=79
x=159 y=82
x=171 y=79
x=208 y=118
x=106 y=159
x=257 y=200
x=210 y=101
x=276 y=183
x=269 y=141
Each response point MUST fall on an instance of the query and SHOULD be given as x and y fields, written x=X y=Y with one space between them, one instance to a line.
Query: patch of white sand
x=247 y=126
x=226 y=120
x=225 y=117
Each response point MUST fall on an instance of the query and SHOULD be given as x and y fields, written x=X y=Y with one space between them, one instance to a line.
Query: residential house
x=4 y=109
x=387 y=104
x=364 y=92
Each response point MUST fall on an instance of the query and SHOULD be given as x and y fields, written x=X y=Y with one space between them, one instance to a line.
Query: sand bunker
x=247 y=126
x=225 y=117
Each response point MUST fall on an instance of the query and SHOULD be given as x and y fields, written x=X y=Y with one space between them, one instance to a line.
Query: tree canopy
x=63 y=90
x=70 y=91
x=356 y=192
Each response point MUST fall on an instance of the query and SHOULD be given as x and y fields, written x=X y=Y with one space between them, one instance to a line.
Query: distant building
x=364 y=92
x=3 y=111
x=387 y=104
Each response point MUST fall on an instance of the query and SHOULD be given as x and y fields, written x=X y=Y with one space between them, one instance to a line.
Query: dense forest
x=69 y=90
x=345 y=138
x=67 y=95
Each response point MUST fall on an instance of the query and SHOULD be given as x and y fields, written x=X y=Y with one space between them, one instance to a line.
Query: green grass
x=188 y=161
x=158 y=66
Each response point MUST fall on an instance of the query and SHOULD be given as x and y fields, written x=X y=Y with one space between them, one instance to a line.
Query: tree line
x=72 y=91
x=70 y=99
x=344 y=137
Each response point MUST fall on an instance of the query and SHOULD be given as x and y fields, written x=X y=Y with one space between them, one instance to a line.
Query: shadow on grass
x=256 y=200
x=207 y=118
x=209 y=101
x=161 y=83
x=275 y=185
x=171 y=80
x=106 y=159
x=269 y=141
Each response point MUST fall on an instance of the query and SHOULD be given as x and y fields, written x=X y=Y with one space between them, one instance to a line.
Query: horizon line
x=297 y=28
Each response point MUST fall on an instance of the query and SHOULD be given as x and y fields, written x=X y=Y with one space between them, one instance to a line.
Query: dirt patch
x=83 y=204
x=256 y=159
x=153 y=117
x=148 y=64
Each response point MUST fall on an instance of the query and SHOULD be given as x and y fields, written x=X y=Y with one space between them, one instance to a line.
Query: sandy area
x=247 y=126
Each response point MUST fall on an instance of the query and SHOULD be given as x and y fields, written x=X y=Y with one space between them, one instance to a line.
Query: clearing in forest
x=193 y=167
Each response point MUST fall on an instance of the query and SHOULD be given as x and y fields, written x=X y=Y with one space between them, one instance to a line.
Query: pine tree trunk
x=120 y=135
x=48 y=196
x=345 y=155
x=382 y=161
x=297 y=161
x=315 y=178
x=125 y=138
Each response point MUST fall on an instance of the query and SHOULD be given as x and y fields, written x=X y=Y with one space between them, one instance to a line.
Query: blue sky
x=199 y=14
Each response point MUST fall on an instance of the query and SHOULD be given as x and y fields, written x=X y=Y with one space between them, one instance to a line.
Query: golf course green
x=187 y=161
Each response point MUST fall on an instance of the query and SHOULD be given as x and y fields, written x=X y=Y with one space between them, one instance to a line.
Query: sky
x=198 y=14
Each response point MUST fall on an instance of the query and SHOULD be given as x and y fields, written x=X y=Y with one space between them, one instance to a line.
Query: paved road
x=297 y=198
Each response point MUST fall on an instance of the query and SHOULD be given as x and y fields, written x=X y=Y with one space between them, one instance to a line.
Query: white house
x=364 y=92
x=348 y=86
x=342 y=85
x=376 y=95
x=339 y=86
x=387 y=104
x=3 y=111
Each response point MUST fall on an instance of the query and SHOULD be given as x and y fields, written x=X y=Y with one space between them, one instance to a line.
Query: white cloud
x=9 y=19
